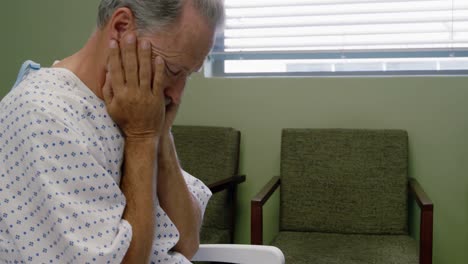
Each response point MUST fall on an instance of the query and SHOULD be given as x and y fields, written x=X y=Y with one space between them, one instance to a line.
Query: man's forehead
x=185 y=53
x=187 y=42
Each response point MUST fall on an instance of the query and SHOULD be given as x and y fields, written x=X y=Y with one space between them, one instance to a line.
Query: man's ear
x=121 y=23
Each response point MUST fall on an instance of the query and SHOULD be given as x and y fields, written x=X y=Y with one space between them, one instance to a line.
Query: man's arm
x=138 y=186
x=80 y=217
x=176 y=199
x=137 y=106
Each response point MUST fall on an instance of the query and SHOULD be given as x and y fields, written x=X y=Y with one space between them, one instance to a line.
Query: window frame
x=215 y=62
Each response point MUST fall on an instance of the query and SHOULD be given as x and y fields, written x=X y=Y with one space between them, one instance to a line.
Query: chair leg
x=256 y=231
x=425 y=243
x=232 y=199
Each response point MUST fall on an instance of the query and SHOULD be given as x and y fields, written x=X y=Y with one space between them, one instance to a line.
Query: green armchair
x=212 y=155
x=344 y=199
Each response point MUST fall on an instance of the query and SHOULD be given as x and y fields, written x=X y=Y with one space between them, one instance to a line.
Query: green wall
x=433 y=111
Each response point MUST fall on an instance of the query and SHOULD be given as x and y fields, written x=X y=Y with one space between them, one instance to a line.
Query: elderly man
x=88 y=168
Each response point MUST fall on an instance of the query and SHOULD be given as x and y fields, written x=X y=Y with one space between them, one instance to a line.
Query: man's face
x=183 y=48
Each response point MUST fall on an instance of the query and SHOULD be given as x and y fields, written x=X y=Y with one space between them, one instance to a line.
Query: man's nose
x=175 y=90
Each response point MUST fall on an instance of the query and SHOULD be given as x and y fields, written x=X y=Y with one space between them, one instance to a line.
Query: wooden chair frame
x=414 y=190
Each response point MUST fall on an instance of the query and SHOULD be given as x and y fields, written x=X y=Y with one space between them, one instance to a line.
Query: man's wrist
x=166 y=141
x=166 y=150
x=143 y=140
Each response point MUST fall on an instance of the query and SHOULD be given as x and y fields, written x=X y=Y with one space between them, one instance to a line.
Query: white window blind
x=342 y=36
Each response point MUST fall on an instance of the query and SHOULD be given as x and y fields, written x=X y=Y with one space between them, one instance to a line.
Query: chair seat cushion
x=215 y=236
x=318 y=248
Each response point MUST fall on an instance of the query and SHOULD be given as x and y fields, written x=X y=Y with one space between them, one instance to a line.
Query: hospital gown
x=60 y=168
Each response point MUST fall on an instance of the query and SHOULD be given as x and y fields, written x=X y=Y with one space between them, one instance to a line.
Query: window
x=341 y=38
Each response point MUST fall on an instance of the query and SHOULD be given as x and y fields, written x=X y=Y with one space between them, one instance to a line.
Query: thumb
x=107 y=90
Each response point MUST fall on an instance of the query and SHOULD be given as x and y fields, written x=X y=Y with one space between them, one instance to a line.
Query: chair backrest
x=210 y=154
x=344 y=181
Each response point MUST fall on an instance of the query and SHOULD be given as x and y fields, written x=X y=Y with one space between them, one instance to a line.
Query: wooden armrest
x=256 y=207
x=421 y=197
x=263 y=196
x=226 y=183
x=426 y=225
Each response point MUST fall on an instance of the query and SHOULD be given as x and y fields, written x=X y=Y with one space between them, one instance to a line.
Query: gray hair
x=153 y=15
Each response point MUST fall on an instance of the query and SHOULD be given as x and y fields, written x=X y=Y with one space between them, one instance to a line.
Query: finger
x=144 y=60
x=130 y=61
x=115 y=66
x=158 y=80
x=107 y=90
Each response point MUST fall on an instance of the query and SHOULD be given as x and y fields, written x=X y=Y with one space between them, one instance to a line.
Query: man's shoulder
x=43 y=84
x=35 y=93
x=50 y=83
x=54 y=91
x=47 y=105
x=41 y=99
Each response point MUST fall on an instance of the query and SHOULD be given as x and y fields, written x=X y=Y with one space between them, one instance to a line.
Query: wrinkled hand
x=134 y=102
